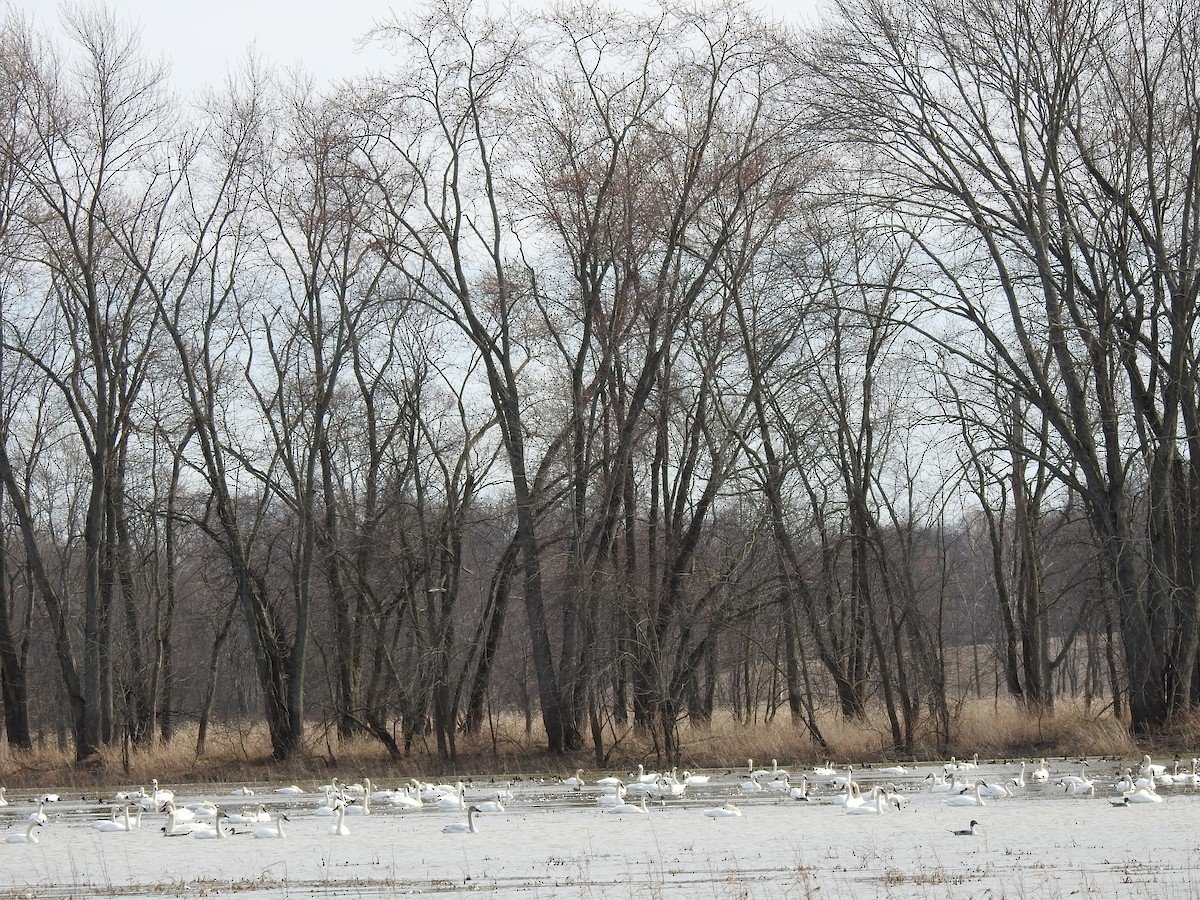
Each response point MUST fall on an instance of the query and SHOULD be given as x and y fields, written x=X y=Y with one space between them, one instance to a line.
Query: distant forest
x=614 y=368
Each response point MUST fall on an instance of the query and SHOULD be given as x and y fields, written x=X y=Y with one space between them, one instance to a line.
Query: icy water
x=554 y=841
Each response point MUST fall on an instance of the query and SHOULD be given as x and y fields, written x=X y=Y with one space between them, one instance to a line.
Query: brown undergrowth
x=241 y=753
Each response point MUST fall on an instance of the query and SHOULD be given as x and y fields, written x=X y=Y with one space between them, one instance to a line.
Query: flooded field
x=553 y=840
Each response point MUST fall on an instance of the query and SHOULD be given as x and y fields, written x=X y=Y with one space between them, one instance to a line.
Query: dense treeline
x=615 y=368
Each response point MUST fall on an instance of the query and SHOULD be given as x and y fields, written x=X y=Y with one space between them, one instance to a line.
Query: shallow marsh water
x=552 y=841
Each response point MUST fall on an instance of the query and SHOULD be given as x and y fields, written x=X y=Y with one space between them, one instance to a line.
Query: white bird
x=1143 y=795
x=874 y=804
x=970 y=799
x=242 y=792
x=27 y=837
x=339 y=827
x=467 y=827
x=289 y=789
x=575 y=781
x=114 y=824
x=455 y=800
x=893 y=770
x=203 y=809
x=723 y=812
x=1149 y=768
x=1085 y=788
x=216 y=831
x=825 y=771
x=273 y=832
x=800 y=791
x=849 y=795
x=690 y=778
x=964 y=832
x=357 y=809
x=751 y=786
x=610 y=800
x=995 y=790
x=1081 y=778
x=938 y=785
x=623 y=808
x=489 y=806
x=644 y=777
x=404 y=799
x=1019 y=780
x=156 y=797
x=1041 y=773
x=257 y=817
x=4 y=802
x=1188 y=778
x=182 y=816
x=40 y=815
x=50 y=798
x=176 y=828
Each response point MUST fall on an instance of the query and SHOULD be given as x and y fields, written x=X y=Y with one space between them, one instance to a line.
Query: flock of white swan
x=867 y=790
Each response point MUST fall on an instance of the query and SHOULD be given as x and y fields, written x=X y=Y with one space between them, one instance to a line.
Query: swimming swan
x=276 y=831
x=26 y=837
x=339 y=827
x=467 y=827
x=970 y=799
x=622 y=808
x=727 y=811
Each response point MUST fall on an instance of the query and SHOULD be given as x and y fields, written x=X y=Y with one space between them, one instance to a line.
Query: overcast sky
x=202 y=39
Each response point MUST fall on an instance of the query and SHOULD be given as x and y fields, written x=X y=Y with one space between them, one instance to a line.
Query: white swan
x=575 y=782
x=156 y=798
x=289 y=789
x=893 y=770
x=623 y=808
x=1041 y=773
x=964 y=832
x=273 y=832
x=849 y=795
x=691 y=778
x=1019 y=780
x=751 y=786
x=216 y=831
x=1081 y=778
x=1150 y=768
x=874 y=805
x=938 y=785
x=825 y=771
x=356 y=809
x=28 y=836
x=644 y=777
x=1143 y=795
x=4 y=802
x=404 y=799
x=176 y=828
x=800 y=791
x=610 y=800
x=339 y=827
x=454 y=801
x=242 y=792
x=467 y=827
x=114 y=824
x=40 y=815
x=489 y=806
x=723 y=812
x=970 y=799
x=995 y=790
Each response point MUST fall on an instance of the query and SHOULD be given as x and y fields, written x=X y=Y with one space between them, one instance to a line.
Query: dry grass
x=992 y=729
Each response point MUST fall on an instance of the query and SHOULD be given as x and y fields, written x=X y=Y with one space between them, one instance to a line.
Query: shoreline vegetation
x=995 y=730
